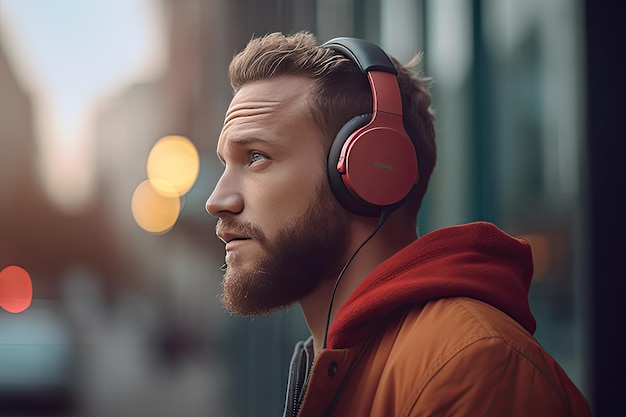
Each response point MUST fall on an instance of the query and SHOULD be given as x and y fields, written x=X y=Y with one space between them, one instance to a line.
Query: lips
x=230 y=237
x=232 y=240
x=233 y=233
x=233 y=244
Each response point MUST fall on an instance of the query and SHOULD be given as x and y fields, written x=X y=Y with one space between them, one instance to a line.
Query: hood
x=475 y=260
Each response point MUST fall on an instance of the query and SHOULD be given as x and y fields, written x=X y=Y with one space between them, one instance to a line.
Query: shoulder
x=445 y=327
x=465 y=349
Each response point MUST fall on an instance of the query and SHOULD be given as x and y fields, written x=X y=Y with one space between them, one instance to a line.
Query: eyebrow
x=242 y=142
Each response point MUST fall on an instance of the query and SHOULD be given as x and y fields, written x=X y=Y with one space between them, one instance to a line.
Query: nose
x=226 y=199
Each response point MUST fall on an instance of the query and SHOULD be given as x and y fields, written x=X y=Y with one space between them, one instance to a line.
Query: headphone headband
x=368 y=56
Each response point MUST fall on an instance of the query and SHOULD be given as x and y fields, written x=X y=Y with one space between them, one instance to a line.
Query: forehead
x=287 y=93
x=265 y=108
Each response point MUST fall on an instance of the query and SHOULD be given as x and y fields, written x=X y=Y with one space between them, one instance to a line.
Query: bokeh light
x=173 y=160
x=172 y=169
x=16 y=289
x=155 y=211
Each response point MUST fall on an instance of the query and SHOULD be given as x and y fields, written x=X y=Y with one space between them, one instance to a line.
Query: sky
x=69 y=55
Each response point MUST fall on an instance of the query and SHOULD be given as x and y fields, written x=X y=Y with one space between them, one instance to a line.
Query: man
x=327 y=154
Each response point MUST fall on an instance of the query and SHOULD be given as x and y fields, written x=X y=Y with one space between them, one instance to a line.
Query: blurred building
x=37 y=348
x=35 y=234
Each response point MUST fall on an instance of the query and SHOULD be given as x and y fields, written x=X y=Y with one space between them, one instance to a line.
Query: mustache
x=247 y=229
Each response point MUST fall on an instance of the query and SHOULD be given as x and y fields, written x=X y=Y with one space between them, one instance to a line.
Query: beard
x=302 y=254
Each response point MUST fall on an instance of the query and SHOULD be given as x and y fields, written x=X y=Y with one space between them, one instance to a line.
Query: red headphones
x=372 y=163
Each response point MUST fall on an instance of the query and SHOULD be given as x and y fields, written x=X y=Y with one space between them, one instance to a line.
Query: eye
x=256 y=157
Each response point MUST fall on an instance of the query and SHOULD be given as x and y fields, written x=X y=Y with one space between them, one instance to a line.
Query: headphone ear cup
x=371 y=167
x=337 y=185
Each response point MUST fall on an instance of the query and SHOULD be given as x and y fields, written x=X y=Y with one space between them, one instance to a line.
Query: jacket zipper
x=295 y=409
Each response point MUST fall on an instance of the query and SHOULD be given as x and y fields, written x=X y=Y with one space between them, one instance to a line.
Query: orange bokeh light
x=154 y=211
x=16 y=289
x=172 y=167
x=174 y=160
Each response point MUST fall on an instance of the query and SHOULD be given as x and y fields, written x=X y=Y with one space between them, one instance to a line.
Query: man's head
x=284 y=231
x=341 y=91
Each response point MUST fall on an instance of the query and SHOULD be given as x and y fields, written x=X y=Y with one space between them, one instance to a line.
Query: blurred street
x=80 y=357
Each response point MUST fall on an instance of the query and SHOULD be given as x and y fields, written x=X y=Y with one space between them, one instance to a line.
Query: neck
x=392 y=237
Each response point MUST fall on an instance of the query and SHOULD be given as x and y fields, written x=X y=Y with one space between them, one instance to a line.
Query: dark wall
x=607 y=188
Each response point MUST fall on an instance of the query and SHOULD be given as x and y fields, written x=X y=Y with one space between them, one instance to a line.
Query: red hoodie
x=476 y=260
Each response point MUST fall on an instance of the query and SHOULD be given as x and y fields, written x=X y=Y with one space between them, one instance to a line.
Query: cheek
x=276 y=200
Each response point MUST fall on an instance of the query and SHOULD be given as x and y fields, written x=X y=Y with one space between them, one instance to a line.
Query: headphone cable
x=381 y=221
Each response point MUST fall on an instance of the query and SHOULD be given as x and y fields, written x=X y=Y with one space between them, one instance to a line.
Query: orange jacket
x=442 y=328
